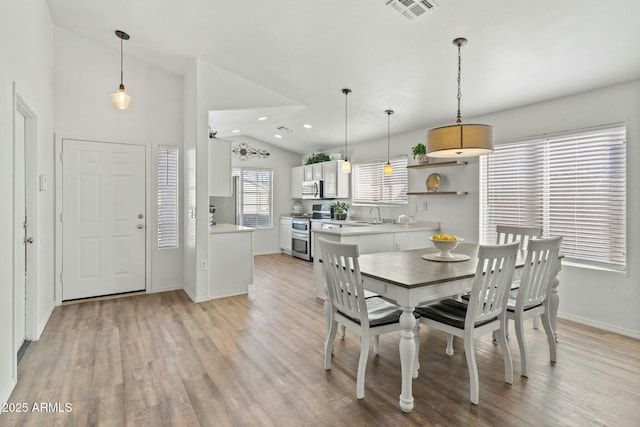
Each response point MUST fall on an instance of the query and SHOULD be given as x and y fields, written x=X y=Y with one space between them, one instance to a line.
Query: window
x=167 y=197
x=572 y=185
x=372 y=186
x=255 y=197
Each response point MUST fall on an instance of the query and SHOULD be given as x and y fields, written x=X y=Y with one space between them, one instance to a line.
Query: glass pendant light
x=388 y=169
x=346 y=165
x=121 y=99
x=460 y=140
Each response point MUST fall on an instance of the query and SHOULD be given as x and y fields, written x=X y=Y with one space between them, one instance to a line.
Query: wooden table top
x=408 y=269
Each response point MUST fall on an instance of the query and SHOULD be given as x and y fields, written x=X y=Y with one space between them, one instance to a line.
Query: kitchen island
x=371 y=239
x=230 y=260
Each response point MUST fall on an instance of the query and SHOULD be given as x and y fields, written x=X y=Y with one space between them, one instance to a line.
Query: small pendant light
x=121 y=99
x=346 y=165
x=388 y=169
x=460 y=140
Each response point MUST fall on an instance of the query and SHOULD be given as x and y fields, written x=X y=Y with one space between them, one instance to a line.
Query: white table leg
x=554 y=302
x=407 y=355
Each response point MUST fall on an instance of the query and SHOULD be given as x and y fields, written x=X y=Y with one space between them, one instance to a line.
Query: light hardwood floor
x=257 y=360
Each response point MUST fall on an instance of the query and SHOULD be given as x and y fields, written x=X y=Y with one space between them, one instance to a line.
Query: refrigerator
x=226 y=207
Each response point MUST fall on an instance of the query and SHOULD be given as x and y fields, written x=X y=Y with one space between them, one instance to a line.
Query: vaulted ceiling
x=305 y=52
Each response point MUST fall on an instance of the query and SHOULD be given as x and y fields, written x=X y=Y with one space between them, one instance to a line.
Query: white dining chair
x=532 y=299
x=348 y=306
x=484 y=312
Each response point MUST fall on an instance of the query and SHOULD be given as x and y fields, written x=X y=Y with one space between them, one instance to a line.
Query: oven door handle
x=299 y=235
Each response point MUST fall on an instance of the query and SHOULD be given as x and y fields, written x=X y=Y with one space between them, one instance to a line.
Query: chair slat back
x=344 y=282
x=539 y=272
x=509 y=234
x=491 y=283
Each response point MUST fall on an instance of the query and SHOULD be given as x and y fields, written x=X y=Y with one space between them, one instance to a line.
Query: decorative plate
x=433 y=182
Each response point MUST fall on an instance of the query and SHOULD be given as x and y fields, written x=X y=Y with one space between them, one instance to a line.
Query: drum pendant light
x=460 y=140
x=346 y=165
x=121 y=99
x=388 y=169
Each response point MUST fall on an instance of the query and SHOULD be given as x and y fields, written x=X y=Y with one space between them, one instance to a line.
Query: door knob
x=28 y=240
x=140 y=226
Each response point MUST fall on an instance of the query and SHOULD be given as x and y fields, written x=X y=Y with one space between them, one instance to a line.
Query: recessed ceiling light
x=277 y=136
x=235 y=131
x=307 y=126
x=263 y=118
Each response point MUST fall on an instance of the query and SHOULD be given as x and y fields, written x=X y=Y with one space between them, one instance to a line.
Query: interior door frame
x=150 y=225
x=30 y=147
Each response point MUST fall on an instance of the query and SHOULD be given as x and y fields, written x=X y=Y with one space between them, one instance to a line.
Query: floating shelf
x=437 y=164
x=450 y=193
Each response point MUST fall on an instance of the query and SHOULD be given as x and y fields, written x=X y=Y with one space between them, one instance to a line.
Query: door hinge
x=60 y=277
x=60 y=216
x=61 y=157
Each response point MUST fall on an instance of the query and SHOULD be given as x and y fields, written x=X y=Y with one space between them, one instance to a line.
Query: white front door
x=103 y=218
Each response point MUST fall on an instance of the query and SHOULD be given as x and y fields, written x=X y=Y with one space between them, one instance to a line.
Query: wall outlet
x=203 y=265
x=424 y=206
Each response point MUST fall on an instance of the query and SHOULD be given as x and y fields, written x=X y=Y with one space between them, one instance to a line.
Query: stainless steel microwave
x=312 y=189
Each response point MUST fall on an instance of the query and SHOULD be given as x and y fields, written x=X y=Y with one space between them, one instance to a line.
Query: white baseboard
x=600 y=325
x=268 y=252
x=43 y=322
x=7 y=390
x=169 y=288
x=196 y=300
x=233 y=294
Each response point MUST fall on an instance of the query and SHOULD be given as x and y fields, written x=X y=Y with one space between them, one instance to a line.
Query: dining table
x=410 y=280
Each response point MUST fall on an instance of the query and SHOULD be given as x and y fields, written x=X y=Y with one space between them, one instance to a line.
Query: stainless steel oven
x=301 y=238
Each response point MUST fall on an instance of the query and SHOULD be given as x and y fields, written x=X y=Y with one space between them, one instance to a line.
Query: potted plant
x=317 y=158
x=340 y=210
x=420 y=153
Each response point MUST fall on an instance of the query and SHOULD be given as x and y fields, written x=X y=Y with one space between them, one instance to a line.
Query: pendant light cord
x=388 y=126
x=346 y=96
x=459 y=119
x=121 y=61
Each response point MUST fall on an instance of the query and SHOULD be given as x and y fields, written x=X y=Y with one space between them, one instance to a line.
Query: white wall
x=606 y=300
x=267 y=241
x=26 y=47
x=86 y=73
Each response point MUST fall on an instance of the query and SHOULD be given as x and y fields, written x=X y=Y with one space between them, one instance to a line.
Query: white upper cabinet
x=220 y=168
x=336 y=183
x=297 y=176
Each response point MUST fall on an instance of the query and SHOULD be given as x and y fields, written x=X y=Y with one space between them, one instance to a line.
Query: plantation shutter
x=167 y=197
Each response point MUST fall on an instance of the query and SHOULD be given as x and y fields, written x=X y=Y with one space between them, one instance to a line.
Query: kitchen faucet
x=378 y=220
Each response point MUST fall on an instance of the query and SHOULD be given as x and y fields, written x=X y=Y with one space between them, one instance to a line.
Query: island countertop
x=228 y=228
x=379 y=229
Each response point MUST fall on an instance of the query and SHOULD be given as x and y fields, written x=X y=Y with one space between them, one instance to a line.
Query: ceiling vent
x=412 y=9
x=284 y=129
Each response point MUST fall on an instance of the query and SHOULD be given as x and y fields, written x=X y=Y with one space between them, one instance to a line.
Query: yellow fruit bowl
x=446 y=246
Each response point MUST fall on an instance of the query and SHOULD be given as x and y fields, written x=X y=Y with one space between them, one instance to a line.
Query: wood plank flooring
x=257 y=360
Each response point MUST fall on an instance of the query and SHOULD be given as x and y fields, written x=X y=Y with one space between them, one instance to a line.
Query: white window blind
x=372 y=186
x=255 y=197
x=167 y=197
x=571 y=185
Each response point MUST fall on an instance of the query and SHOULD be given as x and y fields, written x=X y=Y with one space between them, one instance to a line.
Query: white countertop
x=379 y=228
x=228 y=228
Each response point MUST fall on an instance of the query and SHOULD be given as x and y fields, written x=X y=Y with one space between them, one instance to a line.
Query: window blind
x=572 y=185
x=167 y=197
x=255 y=197
x=372 y=186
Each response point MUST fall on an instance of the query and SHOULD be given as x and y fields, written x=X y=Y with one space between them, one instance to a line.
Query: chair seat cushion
x=511 y=304
x=450 y=312
x=381 y=312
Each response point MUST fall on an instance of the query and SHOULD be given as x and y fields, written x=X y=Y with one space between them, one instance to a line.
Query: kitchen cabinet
x=285 y=234
x=336 y=183
x=230 y=260
x=297 y=176
x=220 y=168
x=412 y=240
x=435 y=165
